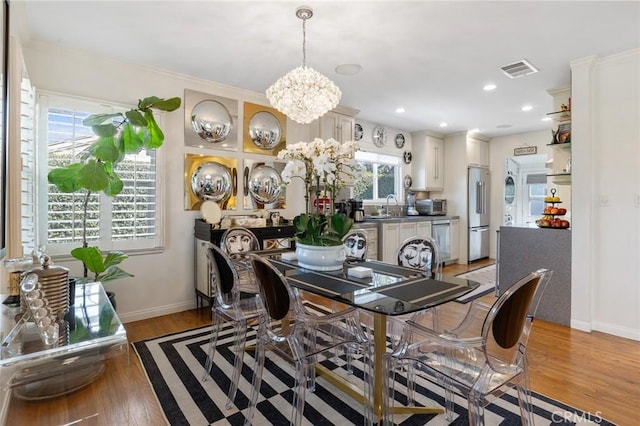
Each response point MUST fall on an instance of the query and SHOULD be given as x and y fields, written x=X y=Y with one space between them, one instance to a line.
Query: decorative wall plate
x=407 y=181
x=211 y=212
x=210 y=121
x=399 y=140
x=358 y=132
x=407 y=157
x=379 y=136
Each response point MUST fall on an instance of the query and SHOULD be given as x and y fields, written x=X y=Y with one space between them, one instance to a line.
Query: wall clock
x=379 y=136
x=407 y=157
x=399 y=140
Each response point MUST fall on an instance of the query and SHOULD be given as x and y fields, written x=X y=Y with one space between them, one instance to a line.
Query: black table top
x=391 y=289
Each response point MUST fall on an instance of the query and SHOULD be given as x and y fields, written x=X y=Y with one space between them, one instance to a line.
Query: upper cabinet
x=477 y=152
x=336 y=126
x=428 y=163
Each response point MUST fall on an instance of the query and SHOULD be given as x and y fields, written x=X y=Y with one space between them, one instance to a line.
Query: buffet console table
x=33 y=374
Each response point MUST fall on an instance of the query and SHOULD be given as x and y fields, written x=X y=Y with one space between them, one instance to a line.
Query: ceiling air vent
x=518 y=69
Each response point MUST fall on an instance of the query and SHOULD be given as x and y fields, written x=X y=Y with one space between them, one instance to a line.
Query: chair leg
x=240 y=331
x=256 y=382
x=388 y=389
x=215 y=325
x=300 y=392
x=524 y=397
x=476 y=410
x=368 y=383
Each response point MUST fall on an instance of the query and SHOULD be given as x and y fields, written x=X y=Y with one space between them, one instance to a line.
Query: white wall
x=606 y=194
x=163 y=282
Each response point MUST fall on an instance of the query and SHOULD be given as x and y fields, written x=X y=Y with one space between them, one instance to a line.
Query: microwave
x=432 y=207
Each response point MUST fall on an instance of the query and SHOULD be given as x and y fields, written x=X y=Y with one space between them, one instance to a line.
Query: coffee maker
x=354 y=210
x=411 y=204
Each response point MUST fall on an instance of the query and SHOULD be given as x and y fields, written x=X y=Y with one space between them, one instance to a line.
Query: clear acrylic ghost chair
x=227 y=306
x=291 y=331
x=355 y=245
x=237 y=241
x=479 y=360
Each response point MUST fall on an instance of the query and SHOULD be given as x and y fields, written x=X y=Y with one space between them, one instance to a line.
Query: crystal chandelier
x=303 y=94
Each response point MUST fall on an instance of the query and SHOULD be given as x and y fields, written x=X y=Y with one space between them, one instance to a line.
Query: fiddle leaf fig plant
x=117 y=135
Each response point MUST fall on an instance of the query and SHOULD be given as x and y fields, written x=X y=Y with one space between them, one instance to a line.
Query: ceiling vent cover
x=518 y=69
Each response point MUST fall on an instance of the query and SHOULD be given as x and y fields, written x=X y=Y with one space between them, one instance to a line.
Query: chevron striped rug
x=174 y=365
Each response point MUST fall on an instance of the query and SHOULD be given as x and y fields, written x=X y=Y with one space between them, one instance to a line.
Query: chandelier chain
x=304 y=42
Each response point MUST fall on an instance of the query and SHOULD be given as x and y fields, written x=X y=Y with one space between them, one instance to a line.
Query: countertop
x=397 y=219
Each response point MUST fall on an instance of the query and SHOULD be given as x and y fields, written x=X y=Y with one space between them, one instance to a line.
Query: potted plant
x=324 y=166
x=117 y=135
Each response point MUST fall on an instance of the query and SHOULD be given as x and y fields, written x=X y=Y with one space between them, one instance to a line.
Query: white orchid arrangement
x=321 y=164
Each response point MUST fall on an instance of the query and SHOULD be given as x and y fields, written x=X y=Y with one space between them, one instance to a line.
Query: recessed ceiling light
x=546 y=118
x=400 y=110
x=443 y=124
x=476 y=130
x=489 y=87
x=348 y=69
x=527 y=108
x=503 y=126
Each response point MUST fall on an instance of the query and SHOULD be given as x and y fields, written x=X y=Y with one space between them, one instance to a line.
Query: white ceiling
x=432 y=58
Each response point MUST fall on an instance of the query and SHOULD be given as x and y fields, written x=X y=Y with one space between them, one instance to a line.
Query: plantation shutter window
x=129 y=221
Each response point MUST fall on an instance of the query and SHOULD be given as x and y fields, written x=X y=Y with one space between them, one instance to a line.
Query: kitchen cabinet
x=428 y=163
x=477 y=152
x=336 y=126
x=454 y=249
x=389 y=241
x=393 y=234
x=423 y=229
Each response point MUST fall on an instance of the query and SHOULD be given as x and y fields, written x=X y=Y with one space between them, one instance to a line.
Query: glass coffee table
x=32 y=372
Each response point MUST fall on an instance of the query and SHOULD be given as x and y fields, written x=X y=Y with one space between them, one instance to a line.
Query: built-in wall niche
x=265 y=129
x=210 y=121
x=262 y=185
x=210 y=177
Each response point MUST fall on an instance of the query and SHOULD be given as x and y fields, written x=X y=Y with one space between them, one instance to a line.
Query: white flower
x=321 y=163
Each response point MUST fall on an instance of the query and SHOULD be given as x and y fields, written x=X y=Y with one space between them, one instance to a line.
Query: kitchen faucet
x=394 y=197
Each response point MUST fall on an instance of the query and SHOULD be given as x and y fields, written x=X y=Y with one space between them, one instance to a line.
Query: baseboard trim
x=156 y=311
x=616 y=330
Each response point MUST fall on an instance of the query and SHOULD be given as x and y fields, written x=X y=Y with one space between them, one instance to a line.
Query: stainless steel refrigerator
x=478 y=213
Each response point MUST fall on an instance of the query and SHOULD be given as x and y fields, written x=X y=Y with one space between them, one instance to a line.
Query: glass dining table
x=389 y=291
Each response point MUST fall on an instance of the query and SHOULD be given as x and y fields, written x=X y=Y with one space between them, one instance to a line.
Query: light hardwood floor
x=595 y=372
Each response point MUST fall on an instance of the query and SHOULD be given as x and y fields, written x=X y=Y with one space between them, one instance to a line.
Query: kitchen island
x=524 y=250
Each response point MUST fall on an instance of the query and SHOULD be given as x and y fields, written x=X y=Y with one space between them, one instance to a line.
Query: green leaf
x=341 y=224
x=156 y=137
x=66 y=178
x=105 y=149
x=114 y=258
x=132 y=143
x=106 y=320
x=113 y=273
x=97 y=119
x=136 y=118
x=167 y=104
x=114 y=185
x=91 y=257
x=93 y=176
x=104 y=130
x=147 y=102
